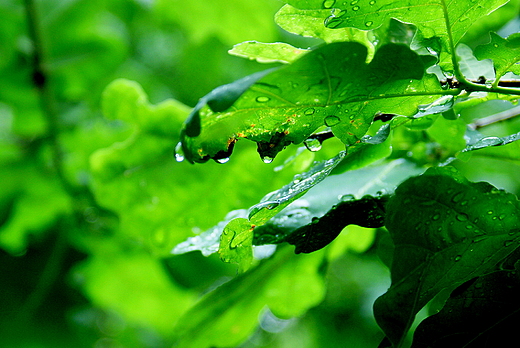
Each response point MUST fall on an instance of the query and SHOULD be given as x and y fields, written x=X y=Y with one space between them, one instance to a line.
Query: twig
x=498 y=117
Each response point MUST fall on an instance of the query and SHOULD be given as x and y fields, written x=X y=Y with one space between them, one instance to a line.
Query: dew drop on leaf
x=462 y=217
x=457 y=197
x=309 y=111
x=262 y=99
x=179 y=153
x=436 y=217
x=457 y=258
x=369 y=23
x=347 y=198
x=372 y=3
x=267 y=159
x=355 y=8
x=353 y=2
x=332 y=120
x=328 y=3
x=312 y=144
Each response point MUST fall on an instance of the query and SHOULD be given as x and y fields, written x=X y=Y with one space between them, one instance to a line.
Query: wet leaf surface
x=446 y=231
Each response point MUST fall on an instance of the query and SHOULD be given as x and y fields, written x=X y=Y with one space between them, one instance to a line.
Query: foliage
x=388 y=140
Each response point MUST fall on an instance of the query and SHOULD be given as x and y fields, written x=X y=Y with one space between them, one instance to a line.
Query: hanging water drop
x=267 y=159
x=312 y=144
x=179 y=153
x=222 y=160
x=332 y=120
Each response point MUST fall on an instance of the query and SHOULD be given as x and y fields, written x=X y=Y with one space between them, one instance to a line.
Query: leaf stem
x=466 y=84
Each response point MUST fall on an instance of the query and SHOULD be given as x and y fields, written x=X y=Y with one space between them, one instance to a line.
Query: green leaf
x=449 y=134
x=135 y=285
x=366 y=212
x=310 y=23
x=482 y=310
x=25 y=187
x=481 y=142
x=289 y=285
x=331 y=86
x=447 y=20
x=446 y=231
x=505 y=54
x=275 y=201
x=236 y=243
x=373 y=180
x=278 y=52
x=472 y=68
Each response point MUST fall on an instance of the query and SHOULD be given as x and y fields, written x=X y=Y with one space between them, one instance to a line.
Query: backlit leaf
x=331 y=86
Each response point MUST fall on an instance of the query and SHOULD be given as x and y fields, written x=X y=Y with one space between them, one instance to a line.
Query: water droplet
x=457 y=258
x=312 y=144
x=179 y=153
x=457 y=197
x=222 y=160
x=463 y=203
x=369 y=23
x=436 y=217
x=355 y=8
x=328 y=3
x=332 y=120
x=347 y=198
x=353 y=2
x=495 y=45
x=490 y=212
x=267 y=159
x=332 y=22
x=372 y=3
x=462 y=217
x=309 y=111
x=262 y=99
x=485 y=142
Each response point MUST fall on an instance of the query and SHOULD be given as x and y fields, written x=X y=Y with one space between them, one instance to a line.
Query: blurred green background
x=92 y=200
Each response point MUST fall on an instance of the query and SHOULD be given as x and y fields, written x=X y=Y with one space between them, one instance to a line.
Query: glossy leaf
x=310 y=23
x=366 y=212
x=236 y=243
x=346 y=189
x=331 y=86
x=446 y=231
x=449 y=21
